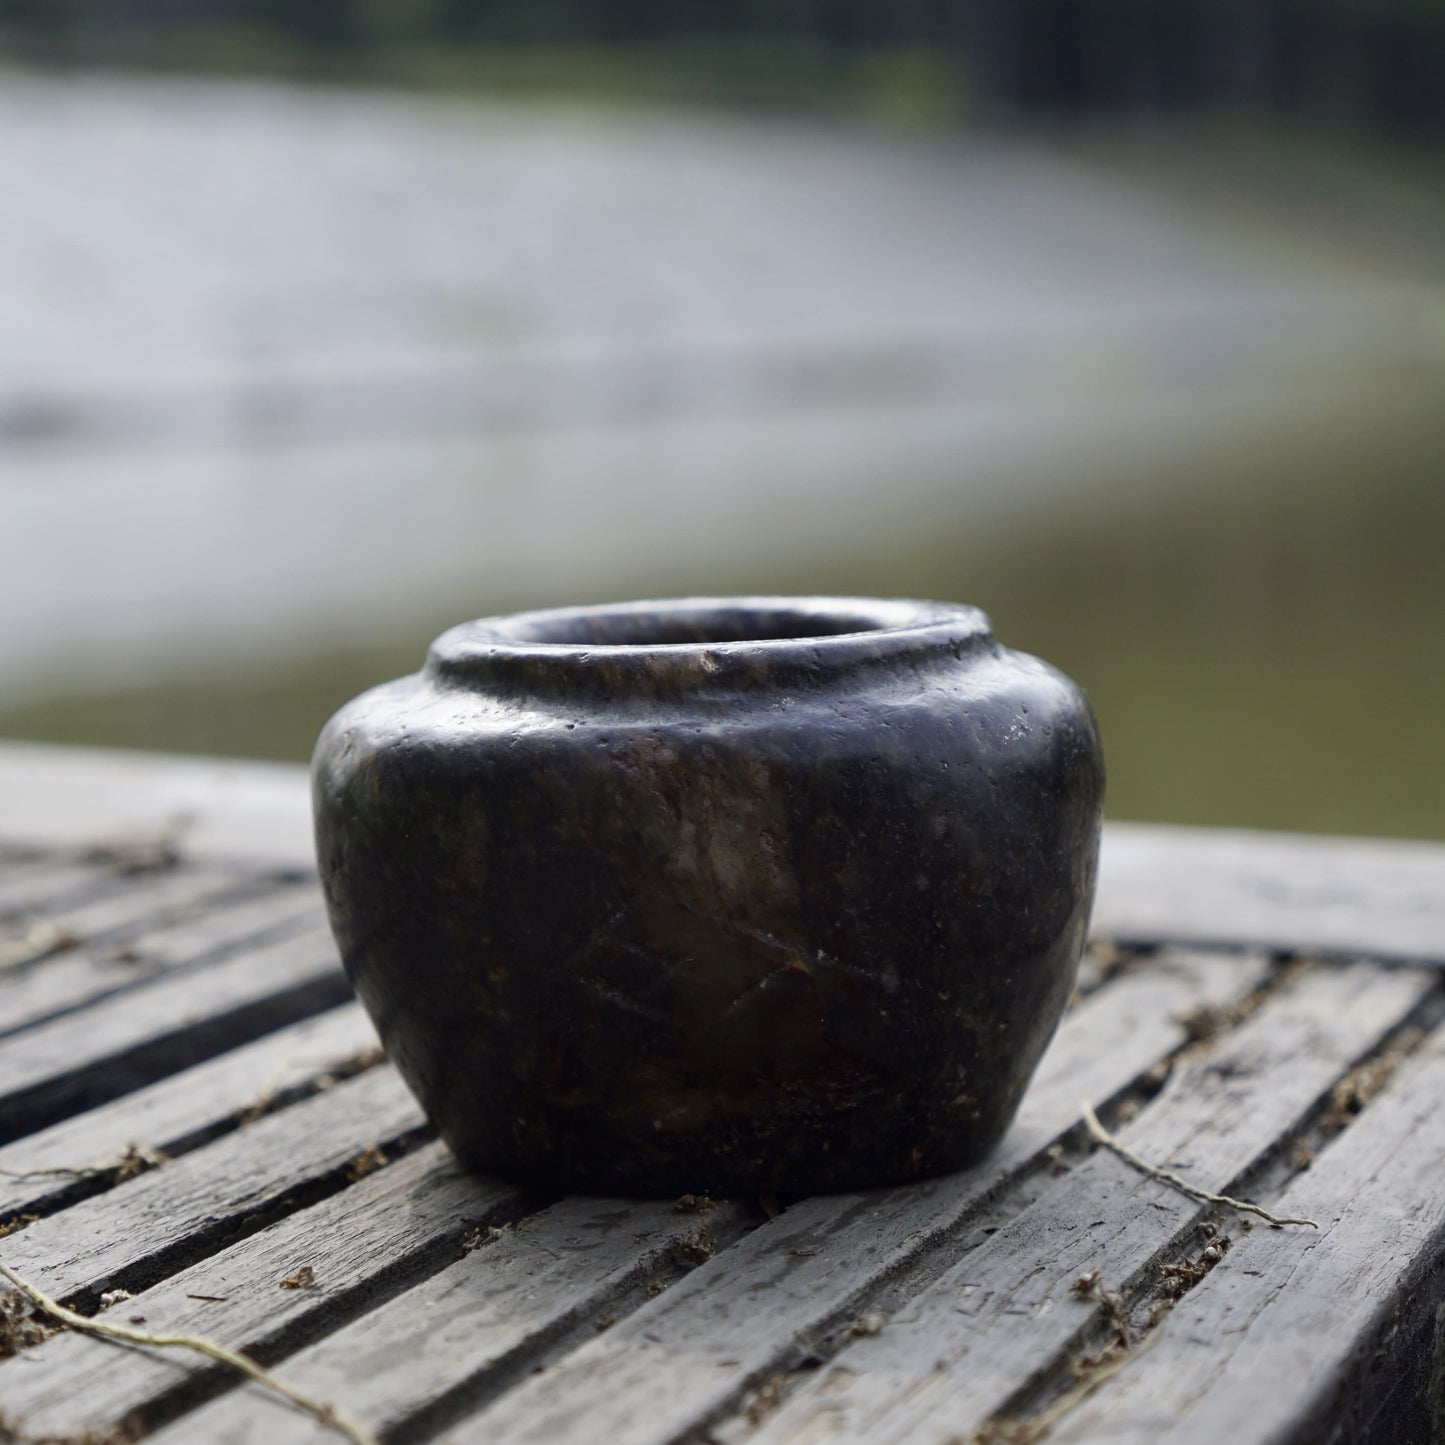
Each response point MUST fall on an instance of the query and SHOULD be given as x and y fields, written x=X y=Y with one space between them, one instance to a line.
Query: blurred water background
x=324 y=326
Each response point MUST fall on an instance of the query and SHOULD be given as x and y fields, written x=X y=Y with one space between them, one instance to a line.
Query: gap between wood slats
x=682 y=1361
x=79 y=878
x=1249 y=1355
x=186 y=1110
x=393 y=1227
x=159 y=1222
x=970 y=1344
x=123 y=1043
x=658 y=1381
x=486 y=1322
x=1103 y=1047
x=1244 y=1034
x=108 y=957
x=59 y=881
x=145 y=898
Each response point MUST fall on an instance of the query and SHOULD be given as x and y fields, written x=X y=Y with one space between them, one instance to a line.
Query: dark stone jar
x=759 y=894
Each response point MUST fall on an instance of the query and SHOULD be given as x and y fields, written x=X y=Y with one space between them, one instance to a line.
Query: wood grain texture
x=905 y=1316
x=81 y=1060
x=363 y=1244
x=65 y=797
x=982 y=1332
x=683 y=1358
x=163 y=930
x=146 y=1226
x=181 y=1111
x=1272 y=890
x=1280 y=1341
x=237 y=918
x=38 y=884
x=481 y=1321
x=132 y=903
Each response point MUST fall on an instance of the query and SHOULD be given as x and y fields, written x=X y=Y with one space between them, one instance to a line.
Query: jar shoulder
x=1006 y=712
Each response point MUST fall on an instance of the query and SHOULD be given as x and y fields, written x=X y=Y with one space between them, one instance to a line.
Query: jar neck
x=695 y=646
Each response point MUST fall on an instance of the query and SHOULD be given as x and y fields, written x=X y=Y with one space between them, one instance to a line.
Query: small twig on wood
x=133 y=1159
x=327 y=1414
x=1104 y=1137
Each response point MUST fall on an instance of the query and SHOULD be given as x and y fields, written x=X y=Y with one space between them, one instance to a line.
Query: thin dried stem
x=1104 y=1137
x=134 y=1159
x=327 y=1414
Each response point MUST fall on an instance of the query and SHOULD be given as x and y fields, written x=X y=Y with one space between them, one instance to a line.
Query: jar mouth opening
x=686 y=643
x=691 y=623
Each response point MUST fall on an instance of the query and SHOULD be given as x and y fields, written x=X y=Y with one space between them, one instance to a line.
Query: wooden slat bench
x=194 y=1112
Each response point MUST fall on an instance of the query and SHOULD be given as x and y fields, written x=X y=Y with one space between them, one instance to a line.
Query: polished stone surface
x=741 y=894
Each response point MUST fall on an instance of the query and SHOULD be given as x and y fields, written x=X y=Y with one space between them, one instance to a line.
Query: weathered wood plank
x=151 y=1225
x=999 y=1318
x=483 y=1320
x=183 y=1110
x=40 y=883
x=1272 y=890
x=1293 y=1324
x=242 y=917
x=145 y=899
x=115 y=951
x=82 y=1060
x=363 y=1244
x=683 y=1358
x=72 y=797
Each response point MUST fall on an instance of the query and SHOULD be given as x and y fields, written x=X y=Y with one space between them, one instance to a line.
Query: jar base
x=791 y=1171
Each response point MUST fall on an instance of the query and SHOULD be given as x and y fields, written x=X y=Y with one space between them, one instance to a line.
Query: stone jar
x=739 y=895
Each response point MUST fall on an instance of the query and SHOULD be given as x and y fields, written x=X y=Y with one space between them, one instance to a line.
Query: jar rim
x=659 y=645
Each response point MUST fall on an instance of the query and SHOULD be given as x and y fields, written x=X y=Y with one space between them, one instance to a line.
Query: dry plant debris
x=766 y=1398
x=334 y=1071
x=1176 y=1280
x=696 y=1247
x=132 y=1160
x=1089 y=1371
x=482 y=1234
x=695 y=1204
x=38 y=939
x=53 y=1310
x=865 y=1325
x=367 y=1162
x=1206 y=1022
x=20 y=1327
x=1364 y=1081
x=137 y=1159
x=1166 y=1176
x=1203 y=1021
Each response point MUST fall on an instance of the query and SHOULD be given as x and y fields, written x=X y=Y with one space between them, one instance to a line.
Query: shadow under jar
x=758 y=894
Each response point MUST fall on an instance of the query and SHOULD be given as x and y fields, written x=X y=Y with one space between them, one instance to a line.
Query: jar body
x=786 y=920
